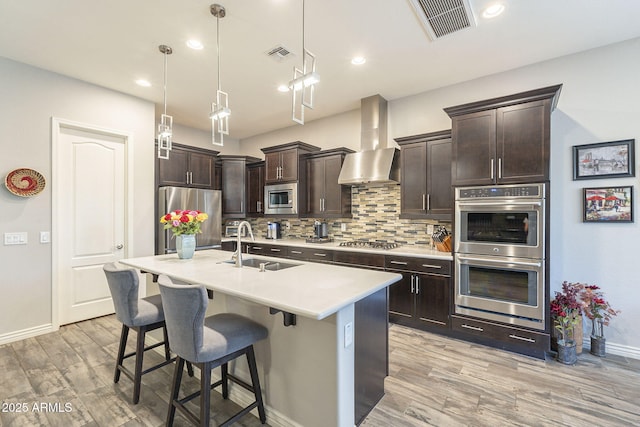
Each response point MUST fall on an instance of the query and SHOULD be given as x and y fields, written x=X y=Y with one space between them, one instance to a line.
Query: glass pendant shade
x=165 y=132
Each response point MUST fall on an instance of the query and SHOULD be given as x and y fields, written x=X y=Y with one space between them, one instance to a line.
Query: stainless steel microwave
x=281 y=199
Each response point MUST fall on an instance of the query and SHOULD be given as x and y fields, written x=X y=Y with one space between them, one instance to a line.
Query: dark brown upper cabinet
x=425 y=184
x=503 y=140
x=255 y=189
x=282 y=162
x=234 y=185
x=325 y=197
x=187 y=167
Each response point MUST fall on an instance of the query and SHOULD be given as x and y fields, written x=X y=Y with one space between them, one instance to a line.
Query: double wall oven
x=499 y=253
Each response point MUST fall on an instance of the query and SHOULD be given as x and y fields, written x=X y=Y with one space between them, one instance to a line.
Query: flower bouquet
x=183 y=221
x=566 y=310
x=599 y=311
x=185 y=224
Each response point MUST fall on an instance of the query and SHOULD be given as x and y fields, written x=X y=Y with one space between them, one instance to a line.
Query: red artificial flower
x=184 y=218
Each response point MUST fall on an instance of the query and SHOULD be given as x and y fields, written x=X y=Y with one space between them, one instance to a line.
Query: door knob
x=120 y=246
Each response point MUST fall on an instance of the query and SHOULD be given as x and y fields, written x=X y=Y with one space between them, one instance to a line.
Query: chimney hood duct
x=375 y=162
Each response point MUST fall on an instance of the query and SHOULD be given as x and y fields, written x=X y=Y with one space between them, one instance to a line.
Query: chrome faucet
x=238 y=252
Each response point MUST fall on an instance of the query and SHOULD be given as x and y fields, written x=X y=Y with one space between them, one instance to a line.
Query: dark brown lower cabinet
x=497 y=335
x=422 y=299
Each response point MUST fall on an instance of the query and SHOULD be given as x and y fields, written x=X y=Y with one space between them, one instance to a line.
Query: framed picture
x=608 y=204
x=604 y=160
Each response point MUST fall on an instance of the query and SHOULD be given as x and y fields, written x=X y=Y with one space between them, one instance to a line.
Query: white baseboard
x=617 y=349
x=27 y=333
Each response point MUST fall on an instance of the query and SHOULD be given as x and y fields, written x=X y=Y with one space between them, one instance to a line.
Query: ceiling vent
x=280 y=53
x=443 y=17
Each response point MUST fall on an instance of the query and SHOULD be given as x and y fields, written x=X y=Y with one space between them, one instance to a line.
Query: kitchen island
x=307 y=369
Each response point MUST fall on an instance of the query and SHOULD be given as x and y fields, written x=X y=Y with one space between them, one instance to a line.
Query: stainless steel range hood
x=375 y=162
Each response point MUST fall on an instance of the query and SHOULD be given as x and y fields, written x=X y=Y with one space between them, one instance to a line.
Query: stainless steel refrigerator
x=209 y=201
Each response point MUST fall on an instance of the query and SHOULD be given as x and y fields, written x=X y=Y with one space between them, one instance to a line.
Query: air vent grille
x=443 y=17
x=279 y=53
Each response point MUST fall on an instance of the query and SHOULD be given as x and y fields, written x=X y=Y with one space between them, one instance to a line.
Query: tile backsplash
x=376 y=211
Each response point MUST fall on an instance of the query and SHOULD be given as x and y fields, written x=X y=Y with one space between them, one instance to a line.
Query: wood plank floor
x=444 y=382
x=433 y=381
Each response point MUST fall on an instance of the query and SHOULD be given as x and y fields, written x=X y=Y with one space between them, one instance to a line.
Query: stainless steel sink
x=268 y=265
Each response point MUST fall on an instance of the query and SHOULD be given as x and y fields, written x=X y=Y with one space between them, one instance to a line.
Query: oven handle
x=526 y=264
x=502 y=203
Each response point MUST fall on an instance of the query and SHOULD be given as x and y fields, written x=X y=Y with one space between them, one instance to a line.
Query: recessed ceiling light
x=143 y=83
x=195 y=44
x=493 y=11
x=358 y=60
x=283 y=88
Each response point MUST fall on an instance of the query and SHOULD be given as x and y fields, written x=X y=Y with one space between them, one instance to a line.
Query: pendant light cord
x=165 y=82
x=218 y=47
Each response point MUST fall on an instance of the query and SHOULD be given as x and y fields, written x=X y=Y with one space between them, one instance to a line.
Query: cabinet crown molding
x=550 y=92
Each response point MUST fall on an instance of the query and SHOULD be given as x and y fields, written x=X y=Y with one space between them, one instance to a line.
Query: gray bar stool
x=208 y=343
x=141 y=315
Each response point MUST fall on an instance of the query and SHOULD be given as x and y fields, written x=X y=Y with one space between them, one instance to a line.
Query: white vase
x=185 y=245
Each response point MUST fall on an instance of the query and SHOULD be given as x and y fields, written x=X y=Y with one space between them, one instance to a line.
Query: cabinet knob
x=120 y=246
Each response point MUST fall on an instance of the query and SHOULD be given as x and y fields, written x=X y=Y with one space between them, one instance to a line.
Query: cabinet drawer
x=297 y=253
x=310 y=254
x=374 y=261
x=319 y=255
x=277 y=251
x=418 y=265
x=267 y=249
x=502 y=336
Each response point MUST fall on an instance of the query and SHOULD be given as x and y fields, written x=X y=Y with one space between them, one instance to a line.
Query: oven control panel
x=512 y=191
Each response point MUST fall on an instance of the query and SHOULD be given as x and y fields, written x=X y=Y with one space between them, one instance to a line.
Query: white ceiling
x=112 y=43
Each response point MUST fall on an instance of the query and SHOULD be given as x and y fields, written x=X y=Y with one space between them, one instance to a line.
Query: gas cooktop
x=370 y=245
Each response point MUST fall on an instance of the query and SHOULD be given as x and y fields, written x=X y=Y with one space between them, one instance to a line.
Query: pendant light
x=220 y=111
x=165 y=127
x=304 y=81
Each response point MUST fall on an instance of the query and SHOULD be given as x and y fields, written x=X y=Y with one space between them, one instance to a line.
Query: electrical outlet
x=343 y=226
x=348 y=334
x=429 y=228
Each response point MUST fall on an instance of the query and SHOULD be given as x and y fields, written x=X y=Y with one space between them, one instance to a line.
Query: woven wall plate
x=24 y=182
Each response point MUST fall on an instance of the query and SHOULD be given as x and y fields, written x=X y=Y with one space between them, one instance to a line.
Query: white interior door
x=90 y=219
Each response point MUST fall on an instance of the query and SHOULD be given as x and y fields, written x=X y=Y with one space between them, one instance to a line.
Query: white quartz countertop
x=418 y=251
x=309 y=289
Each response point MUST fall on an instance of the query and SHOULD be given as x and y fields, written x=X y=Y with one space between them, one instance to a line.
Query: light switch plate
x=343 y=226
x=17 y=238
x=45 y=237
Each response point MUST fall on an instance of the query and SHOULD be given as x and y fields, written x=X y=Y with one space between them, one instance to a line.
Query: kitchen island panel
x=306 y=377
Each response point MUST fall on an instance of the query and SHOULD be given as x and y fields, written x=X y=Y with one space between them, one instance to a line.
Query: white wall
x=599 y=102
x=199 y=138
x=342 y=130
x=29 y=97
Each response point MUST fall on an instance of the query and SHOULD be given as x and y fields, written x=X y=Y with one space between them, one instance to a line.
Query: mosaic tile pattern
x=375 y=209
